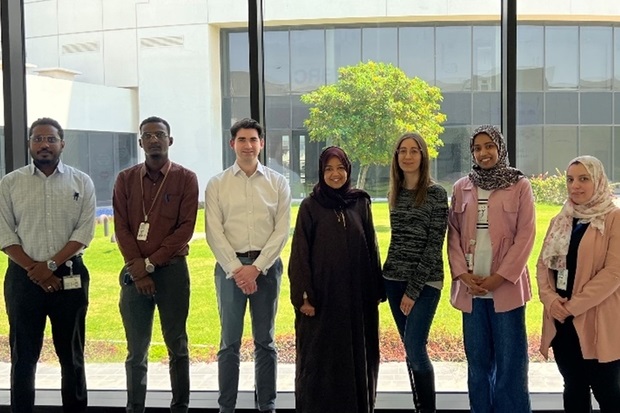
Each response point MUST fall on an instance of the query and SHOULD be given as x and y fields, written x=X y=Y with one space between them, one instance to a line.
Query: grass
x=105 y=334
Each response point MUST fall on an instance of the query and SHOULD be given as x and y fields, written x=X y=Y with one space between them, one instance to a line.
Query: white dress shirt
x=247 y=214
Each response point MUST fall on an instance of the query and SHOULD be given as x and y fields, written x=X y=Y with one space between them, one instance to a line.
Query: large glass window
x=562 y=57
x=453 y=48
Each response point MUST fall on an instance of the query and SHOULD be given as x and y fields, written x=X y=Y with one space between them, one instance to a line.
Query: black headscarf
x=501 y=175
x=342 y=197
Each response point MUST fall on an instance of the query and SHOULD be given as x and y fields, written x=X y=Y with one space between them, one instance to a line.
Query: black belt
x=249 y=254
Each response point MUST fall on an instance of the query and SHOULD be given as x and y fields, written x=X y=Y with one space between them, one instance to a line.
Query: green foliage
x=549 y=189
x=105 y=336
x=369 y=107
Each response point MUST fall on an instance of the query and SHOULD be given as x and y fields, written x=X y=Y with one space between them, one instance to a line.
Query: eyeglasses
x=149 y=135
x=403 y=152
x=49 y=139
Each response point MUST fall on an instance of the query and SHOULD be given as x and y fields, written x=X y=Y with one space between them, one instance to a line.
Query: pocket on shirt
x=170 y=205
x=510 y=207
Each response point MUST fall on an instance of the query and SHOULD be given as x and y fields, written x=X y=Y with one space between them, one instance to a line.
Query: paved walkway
x=450 y=377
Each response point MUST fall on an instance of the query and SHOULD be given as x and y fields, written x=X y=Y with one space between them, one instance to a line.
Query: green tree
x=369 y=107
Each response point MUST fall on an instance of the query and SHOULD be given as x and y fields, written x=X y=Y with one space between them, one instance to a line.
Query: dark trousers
x=137 y=310
x=580 y=375
x=28 y=307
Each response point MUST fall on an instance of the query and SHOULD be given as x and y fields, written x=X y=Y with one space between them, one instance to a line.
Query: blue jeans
x=497 y=359
x=232 y=303
x=415 y=327
x=137 y=310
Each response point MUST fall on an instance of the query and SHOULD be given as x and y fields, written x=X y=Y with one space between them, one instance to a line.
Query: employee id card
x=143 y=231
x=71 y=282
x=562 y=281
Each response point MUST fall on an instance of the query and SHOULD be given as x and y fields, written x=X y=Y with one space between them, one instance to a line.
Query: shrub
x=549 y=189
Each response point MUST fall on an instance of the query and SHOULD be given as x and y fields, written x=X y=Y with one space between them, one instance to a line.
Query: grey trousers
x=172 y=301
x=232 y=303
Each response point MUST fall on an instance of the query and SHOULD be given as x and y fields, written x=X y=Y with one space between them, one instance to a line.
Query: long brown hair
x=397 y=177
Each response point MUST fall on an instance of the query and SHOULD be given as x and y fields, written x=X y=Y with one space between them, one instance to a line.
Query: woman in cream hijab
x=578 y=282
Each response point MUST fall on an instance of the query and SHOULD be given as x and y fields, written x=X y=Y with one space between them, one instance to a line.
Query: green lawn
x=105 y=334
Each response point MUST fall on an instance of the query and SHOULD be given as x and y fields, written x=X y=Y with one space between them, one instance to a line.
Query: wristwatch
x=51 y=265
x=148 y=266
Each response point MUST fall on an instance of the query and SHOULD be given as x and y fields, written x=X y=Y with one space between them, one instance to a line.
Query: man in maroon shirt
x=155 y=206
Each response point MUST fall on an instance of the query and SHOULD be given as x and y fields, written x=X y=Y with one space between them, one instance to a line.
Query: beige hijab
x=555 y=246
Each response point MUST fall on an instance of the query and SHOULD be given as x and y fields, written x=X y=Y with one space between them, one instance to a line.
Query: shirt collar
x=60 y=167
x=144 y=171
x=259 y=168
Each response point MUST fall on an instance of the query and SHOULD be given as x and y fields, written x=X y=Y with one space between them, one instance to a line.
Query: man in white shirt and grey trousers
x=247 y=225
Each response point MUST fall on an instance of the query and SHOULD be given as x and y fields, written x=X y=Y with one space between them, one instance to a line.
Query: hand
x=51 y=285
x=473 y=283
x=250 y=288
x=145 y=286
x=558 y=311
x=137 y=269
x=406 y=304
x=307 y=308
x=245 y=275
x=39 y=273
x=492 y=282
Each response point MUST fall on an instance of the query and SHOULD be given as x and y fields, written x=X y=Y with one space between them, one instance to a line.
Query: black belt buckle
x=249 y=254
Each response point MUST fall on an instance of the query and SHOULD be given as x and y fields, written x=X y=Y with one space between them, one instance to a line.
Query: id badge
x=71 y=282
x=562 y=282
x=143 y=231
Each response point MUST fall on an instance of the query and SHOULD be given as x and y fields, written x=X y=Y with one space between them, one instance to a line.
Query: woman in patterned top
x=491 y=229
x=413 y=271
x=579 y=285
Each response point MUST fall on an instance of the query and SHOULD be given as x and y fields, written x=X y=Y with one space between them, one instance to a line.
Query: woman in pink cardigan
x=490 y=237
x=578 y=283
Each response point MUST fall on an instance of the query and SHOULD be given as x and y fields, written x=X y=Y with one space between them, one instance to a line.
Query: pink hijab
x=555 y=246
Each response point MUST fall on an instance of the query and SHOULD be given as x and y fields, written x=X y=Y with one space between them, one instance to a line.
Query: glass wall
x=102 y=155
x=300 y=59
x=568 y=86
x=567 y=95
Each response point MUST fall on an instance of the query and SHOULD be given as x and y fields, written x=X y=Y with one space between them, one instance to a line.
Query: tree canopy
x=367 y=110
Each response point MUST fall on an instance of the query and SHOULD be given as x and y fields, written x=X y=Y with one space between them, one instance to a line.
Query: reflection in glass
x=596 y=108
x=561 y=59
x=486 y=58
x=559 y=147
x=343 y=47
x=457 y=107
x=277 y=112
x=617 y=58
x=530 y=108
x=307 y=60
x=596 y=141
x=561 y=108
x=454 y=160
x=415 y=45
x=596 y=57
x=277 y=68
x=530 y=149
x=530 y=57
x=239 y=74
x=453 y=58
x=379 y=44
x=487 y=108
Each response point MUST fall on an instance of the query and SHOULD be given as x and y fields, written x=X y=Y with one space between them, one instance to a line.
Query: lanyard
x=146 y=214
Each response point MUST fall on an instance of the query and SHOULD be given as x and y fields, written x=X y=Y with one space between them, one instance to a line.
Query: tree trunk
x=361 y=176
